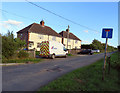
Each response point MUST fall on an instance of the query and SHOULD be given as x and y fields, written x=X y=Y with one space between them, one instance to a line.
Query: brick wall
x=31 y=53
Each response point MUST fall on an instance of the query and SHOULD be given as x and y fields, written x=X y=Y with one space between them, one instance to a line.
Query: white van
x=52 y=49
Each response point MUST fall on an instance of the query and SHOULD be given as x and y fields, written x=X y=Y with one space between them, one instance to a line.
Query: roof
x=71 y=35
x=38 y=28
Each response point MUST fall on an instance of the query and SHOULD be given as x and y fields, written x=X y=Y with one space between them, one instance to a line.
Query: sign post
x=106 y=33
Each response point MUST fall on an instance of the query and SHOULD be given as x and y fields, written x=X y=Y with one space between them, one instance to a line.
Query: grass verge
x=71 y=55
x=88 y=78
x=31 y=60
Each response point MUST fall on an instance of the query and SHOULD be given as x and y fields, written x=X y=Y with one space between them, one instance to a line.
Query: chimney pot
x=42 y=23
x=67 y=30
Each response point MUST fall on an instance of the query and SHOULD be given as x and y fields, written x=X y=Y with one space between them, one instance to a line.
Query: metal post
x=109 y=64
x=105 y=59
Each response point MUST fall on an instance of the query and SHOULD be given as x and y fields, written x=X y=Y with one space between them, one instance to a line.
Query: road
x=30 y=77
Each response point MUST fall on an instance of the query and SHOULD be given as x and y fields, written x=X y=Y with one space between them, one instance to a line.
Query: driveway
x=30 y=77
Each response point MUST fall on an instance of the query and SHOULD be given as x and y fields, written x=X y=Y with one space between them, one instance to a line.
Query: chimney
x=67 y=30
x=42 y=23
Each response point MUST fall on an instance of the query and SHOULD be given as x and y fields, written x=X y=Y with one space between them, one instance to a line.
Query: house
x=70 y=40
x=35 y=33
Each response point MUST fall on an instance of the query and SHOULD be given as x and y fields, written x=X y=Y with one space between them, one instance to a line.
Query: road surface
x=30 y=77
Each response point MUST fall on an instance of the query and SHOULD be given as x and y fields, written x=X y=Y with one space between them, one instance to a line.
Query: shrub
x=23 y=54
x=10 y=45
x=37 y=52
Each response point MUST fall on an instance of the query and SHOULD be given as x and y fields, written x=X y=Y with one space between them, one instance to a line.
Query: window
x=38 y=45
x=64 y=49
x=40 y=36
x=76 y=41
x=54 y=38
x=68 y=40
x=21 y=35
x=31 y=43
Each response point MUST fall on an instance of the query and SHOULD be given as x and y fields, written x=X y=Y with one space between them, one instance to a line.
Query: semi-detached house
x=70 y=40
x=35 y=33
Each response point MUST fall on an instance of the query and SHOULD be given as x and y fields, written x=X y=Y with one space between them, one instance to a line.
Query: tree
x=19 y=43
x=96 y=45
x=8 y=47
x=11 y=44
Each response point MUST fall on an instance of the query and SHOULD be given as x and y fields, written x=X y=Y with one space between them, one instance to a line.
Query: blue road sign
x=107 y=32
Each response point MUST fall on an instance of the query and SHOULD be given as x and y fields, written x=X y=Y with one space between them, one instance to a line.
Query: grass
x=88 y=78
x=34 y=60
x=70 y=55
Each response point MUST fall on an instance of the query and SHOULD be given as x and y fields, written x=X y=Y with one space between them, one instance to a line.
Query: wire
x=16 y=15
x=62 y=17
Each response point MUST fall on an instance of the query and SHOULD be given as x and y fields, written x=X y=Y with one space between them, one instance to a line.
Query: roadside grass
x=29 y=60
x=89 y=78
x=101 y=52
x=71 y=55
x=98 y=52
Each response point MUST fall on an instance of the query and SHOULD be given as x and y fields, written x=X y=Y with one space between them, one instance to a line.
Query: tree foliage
x=101 y=46
x=97 y=45
x=10 y=45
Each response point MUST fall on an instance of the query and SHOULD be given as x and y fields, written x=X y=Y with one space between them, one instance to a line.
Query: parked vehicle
x=96 y=50
x=87 y=51
x=52 y=49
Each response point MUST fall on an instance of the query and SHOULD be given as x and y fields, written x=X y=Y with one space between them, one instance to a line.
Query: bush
x=23 y=54
x=10 y=45
x=37 y=52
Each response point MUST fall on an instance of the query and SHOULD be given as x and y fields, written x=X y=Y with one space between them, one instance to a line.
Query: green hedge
x=23 y=54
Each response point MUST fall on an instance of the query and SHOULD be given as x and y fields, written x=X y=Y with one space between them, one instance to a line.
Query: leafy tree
x=10 y=45
x=101 y=46
x=96 y=45
x=19 y=43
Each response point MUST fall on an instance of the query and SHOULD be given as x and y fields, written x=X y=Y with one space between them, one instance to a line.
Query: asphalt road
x=30 y=77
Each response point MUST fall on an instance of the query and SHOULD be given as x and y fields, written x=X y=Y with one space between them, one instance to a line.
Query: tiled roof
x=38 y=28
x=71 y=35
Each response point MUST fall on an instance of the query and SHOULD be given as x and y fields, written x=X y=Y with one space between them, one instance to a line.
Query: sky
x=94 y=15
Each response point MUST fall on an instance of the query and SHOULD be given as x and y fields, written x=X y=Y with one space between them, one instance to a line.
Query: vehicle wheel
x=90 y=53
x=53 y=56
x=66 y=55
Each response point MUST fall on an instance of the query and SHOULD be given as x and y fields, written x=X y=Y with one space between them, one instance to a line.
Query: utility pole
x=68 y=35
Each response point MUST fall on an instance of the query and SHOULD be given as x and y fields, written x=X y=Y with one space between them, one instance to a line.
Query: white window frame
x=31 y=44
x=68 y=40
x=76 y=41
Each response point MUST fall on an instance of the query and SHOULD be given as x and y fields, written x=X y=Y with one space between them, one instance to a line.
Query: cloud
x=4 y=25
x=13 y=22
x=85 y=41
x=9 y=24
x=86 y=31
